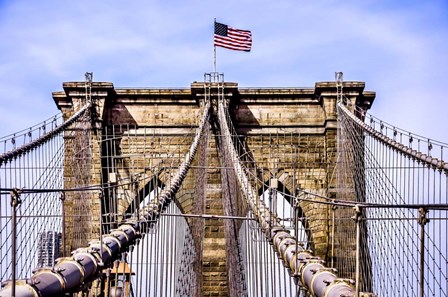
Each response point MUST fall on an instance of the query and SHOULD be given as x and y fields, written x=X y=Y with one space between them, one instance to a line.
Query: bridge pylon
x=137 y=136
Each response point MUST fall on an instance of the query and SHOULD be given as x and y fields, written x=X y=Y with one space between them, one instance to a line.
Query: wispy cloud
x=398 y=49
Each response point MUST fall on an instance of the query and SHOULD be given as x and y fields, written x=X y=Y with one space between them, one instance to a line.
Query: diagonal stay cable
x=157 y=206
x=317 y=278
x=70 y=274
x=428 y=160
x=8 y=156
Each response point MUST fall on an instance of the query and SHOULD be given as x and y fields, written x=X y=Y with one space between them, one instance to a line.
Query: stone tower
x=290 y=132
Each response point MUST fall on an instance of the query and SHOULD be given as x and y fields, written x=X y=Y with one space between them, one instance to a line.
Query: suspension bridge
x=216 y=190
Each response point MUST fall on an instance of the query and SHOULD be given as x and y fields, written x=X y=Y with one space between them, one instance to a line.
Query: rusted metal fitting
x=422 y=218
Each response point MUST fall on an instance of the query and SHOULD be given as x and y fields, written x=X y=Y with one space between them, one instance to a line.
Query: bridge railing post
x=333 y=222
x=273 y=186
x=62 y=198
x=357 y=219
x=422 y=221
x=15 y=202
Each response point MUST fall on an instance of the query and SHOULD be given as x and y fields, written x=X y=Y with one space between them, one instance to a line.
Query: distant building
x=49 y=244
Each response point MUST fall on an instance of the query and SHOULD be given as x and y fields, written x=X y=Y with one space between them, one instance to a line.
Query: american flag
x=231 y=38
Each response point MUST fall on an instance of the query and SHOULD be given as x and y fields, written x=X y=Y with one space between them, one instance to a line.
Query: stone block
x=150 y=132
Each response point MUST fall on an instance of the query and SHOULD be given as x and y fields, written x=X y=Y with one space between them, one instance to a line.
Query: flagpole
x=214 y=49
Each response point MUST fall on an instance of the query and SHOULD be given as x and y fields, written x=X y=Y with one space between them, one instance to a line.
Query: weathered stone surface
x=290 y=132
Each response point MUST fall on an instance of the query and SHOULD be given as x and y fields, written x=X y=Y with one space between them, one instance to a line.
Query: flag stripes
x=231 y=38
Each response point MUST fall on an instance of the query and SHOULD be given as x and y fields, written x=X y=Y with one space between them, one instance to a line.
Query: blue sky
x=399 y=48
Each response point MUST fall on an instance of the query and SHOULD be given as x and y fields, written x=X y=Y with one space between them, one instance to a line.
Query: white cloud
x=398 y=50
